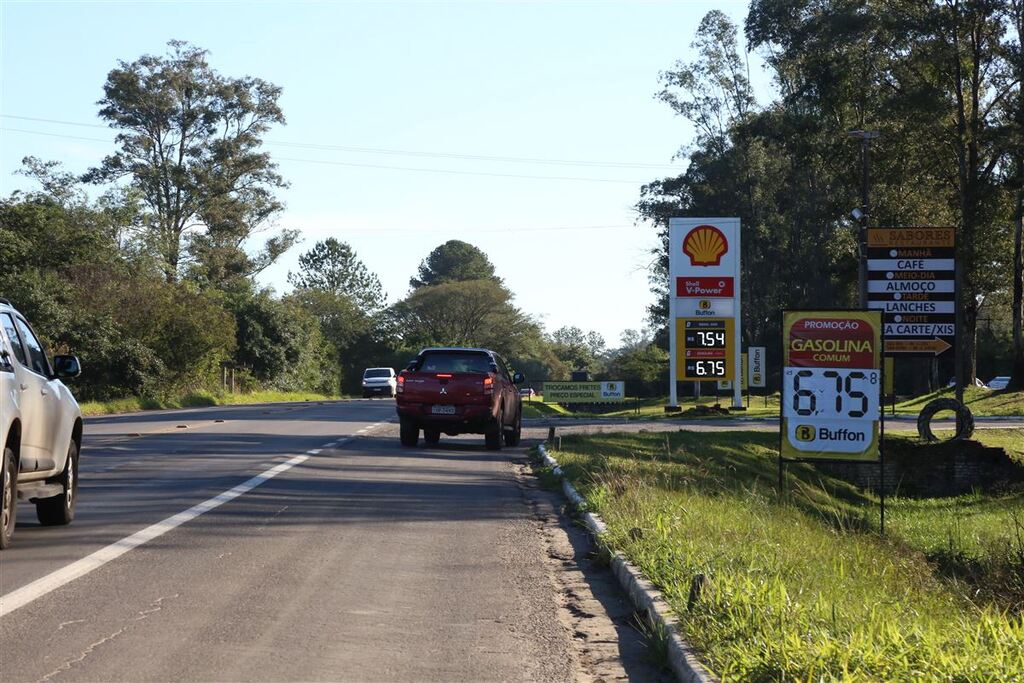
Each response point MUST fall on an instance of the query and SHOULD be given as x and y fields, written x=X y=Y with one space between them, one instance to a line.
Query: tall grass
x=801 y=586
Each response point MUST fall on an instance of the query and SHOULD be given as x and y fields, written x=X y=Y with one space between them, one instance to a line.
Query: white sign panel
x=756 y=367
x=704 y=282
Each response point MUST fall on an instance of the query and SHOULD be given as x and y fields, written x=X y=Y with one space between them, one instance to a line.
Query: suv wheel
x=8 y=497
x=60 y=510
x=432 y=436
x=409 y=433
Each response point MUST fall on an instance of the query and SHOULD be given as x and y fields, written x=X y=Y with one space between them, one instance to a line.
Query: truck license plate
x=442 y=410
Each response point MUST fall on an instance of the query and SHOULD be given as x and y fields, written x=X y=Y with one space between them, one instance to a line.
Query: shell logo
x=705 y=245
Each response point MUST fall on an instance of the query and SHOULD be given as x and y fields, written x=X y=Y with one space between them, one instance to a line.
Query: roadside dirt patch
x=592 y=606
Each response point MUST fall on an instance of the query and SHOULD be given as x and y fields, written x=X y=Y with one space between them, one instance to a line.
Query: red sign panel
x=704 y=287
x=832 y=342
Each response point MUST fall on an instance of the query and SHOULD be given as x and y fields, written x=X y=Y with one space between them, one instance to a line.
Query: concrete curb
x=643 y=594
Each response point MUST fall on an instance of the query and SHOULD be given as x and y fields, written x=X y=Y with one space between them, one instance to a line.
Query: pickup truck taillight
x=400 y=387
x=488 y=386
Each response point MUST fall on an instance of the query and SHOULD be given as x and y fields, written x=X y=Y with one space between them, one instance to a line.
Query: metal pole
x=673 y=399
x=862 y=267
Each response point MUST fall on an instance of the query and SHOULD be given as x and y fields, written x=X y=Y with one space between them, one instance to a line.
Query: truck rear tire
x=409 y=433
x=60 y=510
x=513 y=437
x=492 y=439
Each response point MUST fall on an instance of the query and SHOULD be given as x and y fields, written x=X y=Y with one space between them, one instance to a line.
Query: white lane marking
x=51 y=582
x=40 y=587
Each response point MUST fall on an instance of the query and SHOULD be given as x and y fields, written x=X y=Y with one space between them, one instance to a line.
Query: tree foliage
x=189 y=143
x=332 y=266
x=454 y=261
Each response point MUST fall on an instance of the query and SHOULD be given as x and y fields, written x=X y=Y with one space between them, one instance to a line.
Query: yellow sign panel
x=704 y=348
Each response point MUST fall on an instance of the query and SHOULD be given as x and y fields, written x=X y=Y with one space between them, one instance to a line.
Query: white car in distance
x=40 y=427
x=379 y=382
x=999 y=383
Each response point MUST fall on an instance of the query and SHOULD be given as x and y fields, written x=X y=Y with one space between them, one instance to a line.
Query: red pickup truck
x=459 y=391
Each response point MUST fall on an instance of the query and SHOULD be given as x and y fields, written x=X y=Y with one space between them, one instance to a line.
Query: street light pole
x=866 y=136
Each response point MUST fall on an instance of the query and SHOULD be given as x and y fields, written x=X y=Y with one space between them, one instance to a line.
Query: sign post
x=832 y=382
x=704 y=303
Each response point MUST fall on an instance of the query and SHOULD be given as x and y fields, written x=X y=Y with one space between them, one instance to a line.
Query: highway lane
x=365 y=562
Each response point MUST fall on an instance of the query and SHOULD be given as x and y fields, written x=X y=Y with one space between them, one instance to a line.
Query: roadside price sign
x=912 y=281
x=831 y=385
x=584 y=392
x=705 y=349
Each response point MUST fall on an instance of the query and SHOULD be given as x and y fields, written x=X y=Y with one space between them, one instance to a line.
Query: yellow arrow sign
x=935 y=346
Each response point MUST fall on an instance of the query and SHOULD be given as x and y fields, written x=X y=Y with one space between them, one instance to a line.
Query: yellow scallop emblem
x=705 y=245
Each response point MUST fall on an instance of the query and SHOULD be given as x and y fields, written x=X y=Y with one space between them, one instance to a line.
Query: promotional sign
x=911 y=280
x=756 y=367
x=704 y=273
x=705 y=349
x=831 y=385
x=584 y=392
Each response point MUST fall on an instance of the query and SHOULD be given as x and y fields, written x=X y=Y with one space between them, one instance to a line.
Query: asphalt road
x=357 y=561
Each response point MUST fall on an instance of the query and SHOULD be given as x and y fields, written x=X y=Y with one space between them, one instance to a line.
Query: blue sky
x=560 y=82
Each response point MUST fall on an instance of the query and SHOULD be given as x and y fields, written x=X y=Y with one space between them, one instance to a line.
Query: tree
x=1016 y=52
x=332 y=266
x=576 y=348
x=190 y=142
x=454 y=261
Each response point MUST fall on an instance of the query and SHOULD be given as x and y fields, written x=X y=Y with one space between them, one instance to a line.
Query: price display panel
x=831 y=393
x=706 y=349
x=831 y=385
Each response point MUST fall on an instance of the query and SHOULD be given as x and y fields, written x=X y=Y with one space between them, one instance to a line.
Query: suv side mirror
x=518 y=378
x=66 y=367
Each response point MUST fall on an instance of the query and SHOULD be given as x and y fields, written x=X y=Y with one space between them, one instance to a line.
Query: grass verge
x=982 y=402
x=651 y=408
x=801 y=588
x=197 y=400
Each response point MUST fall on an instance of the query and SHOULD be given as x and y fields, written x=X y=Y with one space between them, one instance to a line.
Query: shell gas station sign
x=704 y=309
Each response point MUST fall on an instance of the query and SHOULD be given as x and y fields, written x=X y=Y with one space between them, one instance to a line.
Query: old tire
x=431 y=436
x=60 y=510
x=965 y=419
x=408 y=433
x=8 y=497
x=513 y=437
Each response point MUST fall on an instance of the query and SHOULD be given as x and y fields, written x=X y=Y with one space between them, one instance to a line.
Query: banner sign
x=831 y=385
x=584 y=392
x=704 y=309
x=756 y=366
x=912 y=281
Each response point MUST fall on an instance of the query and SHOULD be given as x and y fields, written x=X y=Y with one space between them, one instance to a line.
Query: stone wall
x=945 y=469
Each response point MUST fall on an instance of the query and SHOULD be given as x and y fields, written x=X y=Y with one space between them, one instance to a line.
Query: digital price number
x=706 y=349
x=830 y=393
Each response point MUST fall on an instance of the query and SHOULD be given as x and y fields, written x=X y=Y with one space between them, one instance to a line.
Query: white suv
x=379 y=382
x=40 y=427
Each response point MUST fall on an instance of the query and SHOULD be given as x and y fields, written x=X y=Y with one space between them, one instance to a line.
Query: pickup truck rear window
x=455 y=361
